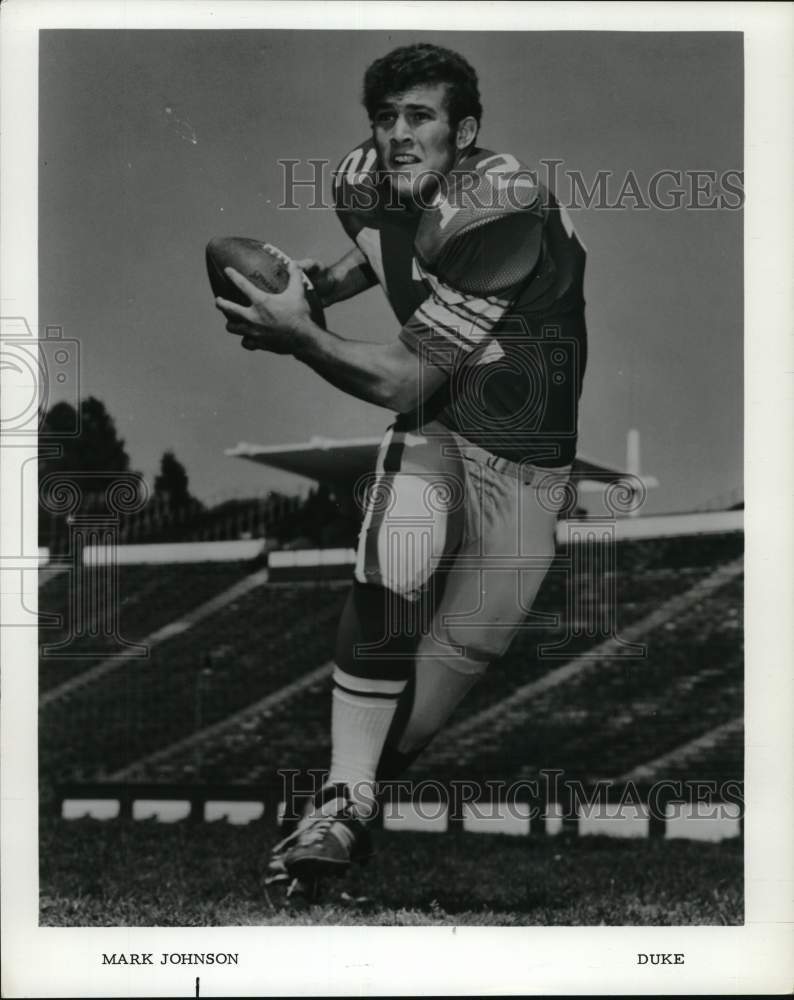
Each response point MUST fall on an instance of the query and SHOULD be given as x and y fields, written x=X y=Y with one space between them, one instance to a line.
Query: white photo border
x=754 y=958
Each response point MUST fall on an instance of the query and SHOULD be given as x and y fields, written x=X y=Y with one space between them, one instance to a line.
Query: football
x=262 y=263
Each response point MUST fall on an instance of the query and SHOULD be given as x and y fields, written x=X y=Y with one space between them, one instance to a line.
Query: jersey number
x=446 y=210
x=349 y=167
x=501 y=163
x=504 y=163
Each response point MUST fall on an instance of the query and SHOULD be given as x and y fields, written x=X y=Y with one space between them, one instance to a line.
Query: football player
x=485 y=275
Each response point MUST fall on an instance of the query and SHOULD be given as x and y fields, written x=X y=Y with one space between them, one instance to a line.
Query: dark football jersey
x=487 y=282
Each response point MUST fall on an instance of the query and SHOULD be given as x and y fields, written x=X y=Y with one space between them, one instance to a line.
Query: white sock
x=360 y=722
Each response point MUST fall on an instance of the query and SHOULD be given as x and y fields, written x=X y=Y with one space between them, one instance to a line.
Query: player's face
x=415 y=140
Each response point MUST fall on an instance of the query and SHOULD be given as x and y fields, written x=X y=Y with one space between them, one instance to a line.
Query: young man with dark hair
x=485 y=275
x=424 y=64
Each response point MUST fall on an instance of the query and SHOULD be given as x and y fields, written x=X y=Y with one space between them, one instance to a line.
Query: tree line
x=97 y=453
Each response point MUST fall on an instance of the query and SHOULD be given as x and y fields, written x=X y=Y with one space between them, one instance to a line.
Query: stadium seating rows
x=612 y=716
x=149 y=597
x=622 y=712
x=252 y=646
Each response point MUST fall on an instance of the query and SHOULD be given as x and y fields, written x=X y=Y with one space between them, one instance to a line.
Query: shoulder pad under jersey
x=482 y=233
x=355 y=188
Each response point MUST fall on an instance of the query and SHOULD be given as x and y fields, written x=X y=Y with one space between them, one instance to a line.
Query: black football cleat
x=328 y=839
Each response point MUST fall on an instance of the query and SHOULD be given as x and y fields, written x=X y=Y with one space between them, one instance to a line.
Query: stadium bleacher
x=249 y=647
x=184 y=713
x=149 y=597
x=622 y=711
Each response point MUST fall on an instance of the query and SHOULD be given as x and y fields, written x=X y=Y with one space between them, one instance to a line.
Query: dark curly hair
x=415 y=65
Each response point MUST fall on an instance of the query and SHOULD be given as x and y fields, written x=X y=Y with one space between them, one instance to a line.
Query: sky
x=152 y=142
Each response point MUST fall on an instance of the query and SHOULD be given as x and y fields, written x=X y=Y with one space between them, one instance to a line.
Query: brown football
x=263 y=264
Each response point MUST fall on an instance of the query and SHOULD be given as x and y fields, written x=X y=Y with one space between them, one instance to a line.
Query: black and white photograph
x=382 y=389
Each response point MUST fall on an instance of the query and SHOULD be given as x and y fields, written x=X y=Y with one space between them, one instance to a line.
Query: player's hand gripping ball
x=266 y=268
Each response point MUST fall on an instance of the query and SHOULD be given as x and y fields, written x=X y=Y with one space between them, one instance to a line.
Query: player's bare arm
x=388 y=375
x=349 y=276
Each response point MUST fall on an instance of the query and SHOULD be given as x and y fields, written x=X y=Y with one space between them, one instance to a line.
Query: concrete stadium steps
x=178 y=759
x=46 y=575
x=710 y=755
x=181 y=626
x=294 y=731
x=253 y=646
x=676 y=552
x=149 y=597
x=296 y=734
x=616 y=714
x=524 y=662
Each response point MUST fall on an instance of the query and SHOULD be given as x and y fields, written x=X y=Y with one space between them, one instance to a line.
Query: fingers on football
x=232 y=310
x=246 y=286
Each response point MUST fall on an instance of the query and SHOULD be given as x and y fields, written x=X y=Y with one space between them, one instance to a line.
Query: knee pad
x=378 y=634
x=407 y=531
x=413 y=511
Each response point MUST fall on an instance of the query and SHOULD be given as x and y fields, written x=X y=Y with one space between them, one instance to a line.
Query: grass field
x=125 y=873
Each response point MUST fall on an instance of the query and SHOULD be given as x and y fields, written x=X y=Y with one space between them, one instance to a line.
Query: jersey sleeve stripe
x=469 y=314
x=482 y=306
x=449 y=294
x=478 y=324
x=440 y=323
x=450 y=306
